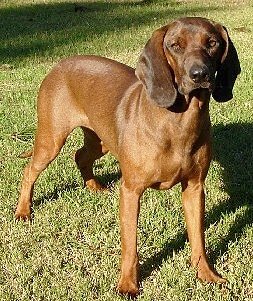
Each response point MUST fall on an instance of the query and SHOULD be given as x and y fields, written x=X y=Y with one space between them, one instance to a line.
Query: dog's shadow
x=107 y=180
x=233 y=149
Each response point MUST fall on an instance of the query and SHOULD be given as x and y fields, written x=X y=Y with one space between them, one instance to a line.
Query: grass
x=71 y=249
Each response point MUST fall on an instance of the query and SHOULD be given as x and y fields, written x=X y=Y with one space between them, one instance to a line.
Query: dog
x=154 y=119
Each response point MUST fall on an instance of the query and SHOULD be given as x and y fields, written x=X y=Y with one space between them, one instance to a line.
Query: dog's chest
x=174 y=163
x=162 y=164
x=181 y=155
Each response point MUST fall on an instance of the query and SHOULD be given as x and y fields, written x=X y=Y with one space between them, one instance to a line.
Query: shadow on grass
x=107 y=180
x=38 y=28
x=233 y=149
x=54 y=195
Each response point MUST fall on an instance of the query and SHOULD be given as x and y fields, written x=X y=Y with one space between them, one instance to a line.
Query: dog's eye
x=211 y=43
x=175 y=46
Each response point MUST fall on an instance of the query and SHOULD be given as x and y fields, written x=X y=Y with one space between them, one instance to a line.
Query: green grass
x=71 y=249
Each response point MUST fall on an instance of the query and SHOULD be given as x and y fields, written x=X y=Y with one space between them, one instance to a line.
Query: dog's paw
x=94 y=185
x=128 y=288
x=207 y=274
x=210 y=277
x=23 y=214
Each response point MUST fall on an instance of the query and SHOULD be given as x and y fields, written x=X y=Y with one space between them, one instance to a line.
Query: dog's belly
x=164 y=185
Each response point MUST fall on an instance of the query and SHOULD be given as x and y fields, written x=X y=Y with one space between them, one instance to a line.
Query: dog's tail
x=27 y=154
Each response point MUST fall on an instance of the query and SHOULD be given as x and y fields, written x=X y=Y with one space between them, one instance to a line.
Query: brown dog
x=154 y=119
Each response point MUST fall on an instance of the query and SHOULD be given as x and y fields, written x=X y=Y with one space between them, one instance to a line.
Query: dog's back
x=85 y=90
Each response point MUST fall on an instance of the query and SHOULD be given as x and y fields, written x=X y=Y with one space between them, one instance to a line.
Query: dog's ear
x=154 y=71
x=228 y=69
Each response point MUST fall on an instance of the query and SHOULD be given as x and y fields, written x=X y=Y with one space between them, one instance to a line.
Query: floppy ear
x=154 y=71
x=228 y=69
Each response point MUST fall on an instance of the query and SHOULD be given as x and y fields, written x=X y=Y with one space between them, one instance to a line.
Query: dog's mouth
x=200 y=93
x=207 y=86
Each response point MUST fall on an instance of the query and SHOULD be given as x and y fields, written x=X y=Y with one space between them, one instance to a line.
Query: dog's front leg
x=194 y=209
x=129 y=212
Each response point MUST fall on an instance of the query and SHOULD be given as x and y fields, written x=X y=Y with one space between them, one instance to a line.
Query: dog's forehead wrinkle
x=188 y=33
x=189 y=27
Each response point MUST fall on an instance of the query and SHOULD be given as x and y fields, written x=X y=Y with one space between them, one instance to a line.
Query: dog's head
x=186 y=55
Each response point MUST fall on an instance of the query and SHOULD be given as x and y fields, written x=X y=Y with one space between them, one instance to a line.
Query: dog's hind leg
x=54 y=125
x=46 y=147
x=92 y=150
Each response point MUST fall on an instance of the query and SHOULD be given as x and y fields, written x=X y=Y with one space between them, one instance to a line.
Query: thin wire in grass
x=24 y=136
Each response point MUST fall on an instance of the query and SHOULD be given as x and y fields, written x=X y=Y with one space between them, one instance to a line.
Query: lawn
x=71 y=249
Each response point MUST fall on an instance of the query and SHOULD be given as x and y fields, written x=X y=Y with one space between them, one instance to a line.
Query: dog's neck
x=183 y=102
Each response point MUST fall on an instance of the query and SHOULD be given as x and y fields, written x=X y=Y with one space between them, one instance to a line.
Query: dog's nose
x=199 y=74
